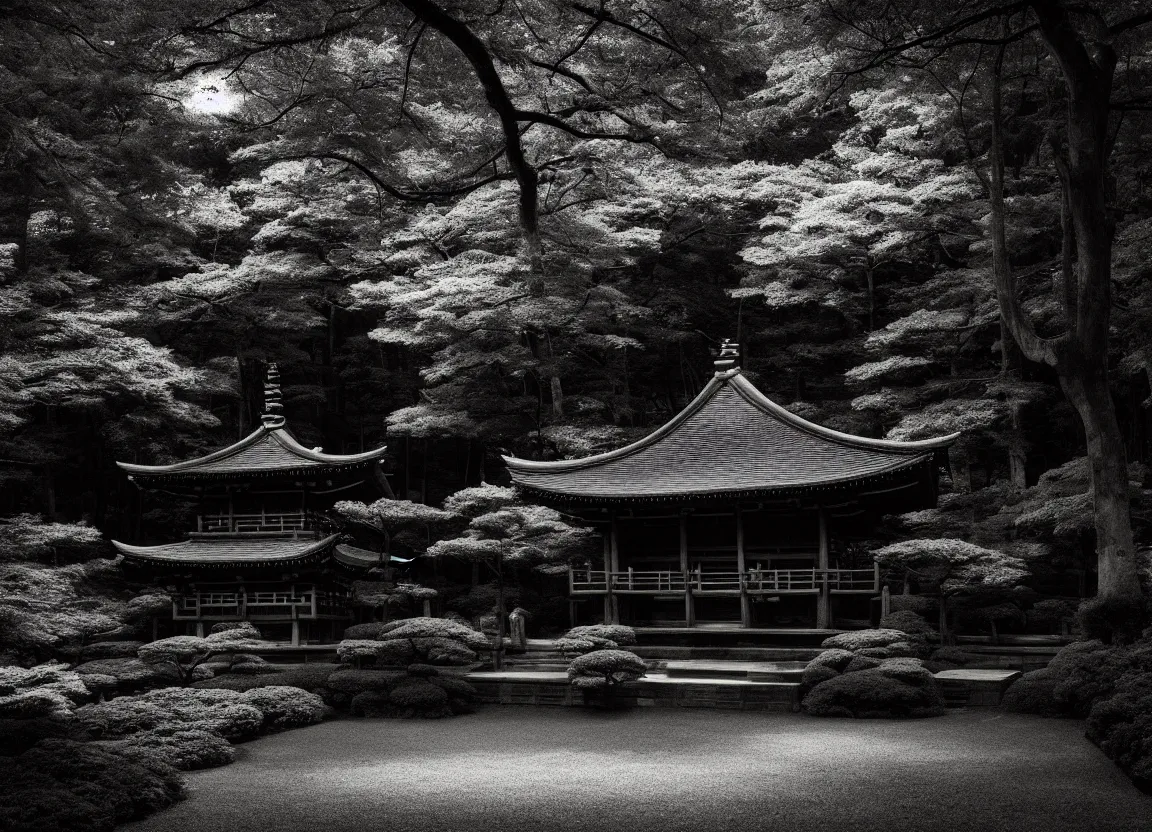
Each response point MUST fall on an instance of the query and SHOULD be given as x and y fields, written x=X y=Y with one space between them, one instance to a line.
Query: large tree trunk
x=1115 y=549
x=1080 y=354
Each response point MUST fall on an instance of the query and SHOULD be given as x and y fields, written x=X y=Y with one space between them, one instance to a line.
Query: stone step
x=736 y=654
x=788 y=671
x=655 y=690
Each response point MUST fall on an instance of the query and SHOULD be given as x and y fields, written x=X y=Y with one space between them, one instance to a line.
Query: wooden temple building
x=736 y=512
x=259 y=551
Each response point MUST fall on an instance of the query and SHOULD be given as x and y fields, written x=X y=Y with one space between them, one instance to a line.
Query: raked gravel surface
x=524 y=769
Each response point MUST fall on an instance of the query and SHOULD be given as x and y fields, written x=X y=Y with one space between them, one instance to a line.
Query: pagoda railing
x=299 y=602
x=584 y=579
x=284 y=521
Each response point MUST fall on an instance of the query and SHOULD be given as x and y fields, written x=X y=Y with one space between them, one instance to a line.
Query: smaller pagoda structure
x=259 y=552
x=737 y=512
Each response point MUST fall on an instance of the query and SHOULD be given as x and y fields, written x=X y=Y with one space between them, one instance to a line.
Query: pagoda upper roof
x=731 y=440
x=269 y=450
x=229 y=551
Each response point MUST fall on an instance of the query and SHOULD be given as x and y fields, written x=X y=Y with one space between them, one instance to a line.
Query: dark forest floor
x=542 y=769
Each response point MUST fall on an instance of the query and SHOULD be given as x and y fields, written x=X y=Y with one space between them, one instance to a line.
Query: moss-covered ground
x=568 y=769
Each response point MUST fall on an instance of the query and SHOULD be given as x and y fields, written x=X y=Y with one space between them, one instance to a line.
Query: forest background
x=524 y=226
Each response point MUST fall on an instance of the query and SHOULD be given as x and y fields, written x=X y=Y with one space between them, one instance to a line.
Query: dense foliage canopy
x=469 y=228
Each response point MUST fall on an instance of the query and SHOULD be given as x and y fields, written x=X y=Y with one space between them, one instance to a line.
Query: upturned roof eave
x=748 y=492
x=169 y=553
x=280 y=435
x=748 y=391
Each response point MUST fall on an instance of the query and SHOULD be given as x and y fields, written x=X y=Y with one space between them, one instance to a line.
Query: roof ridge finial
x=729 y=356
x=273 y=415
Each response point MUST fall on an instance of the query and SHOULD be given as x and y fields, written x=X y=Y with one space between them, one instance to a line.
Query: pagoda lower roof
x=270 y=450
x=355 y=556
x=731 y=440
x=229 y=551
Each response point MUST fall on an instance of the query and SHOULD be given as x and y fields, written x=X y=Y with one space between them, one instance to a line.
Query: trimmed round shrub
x=365 y=632
x=423 y=671
x=418 y=628
x=183 y=750
x=418 y=695
x=222 y=712
x=1122 y=727
x=312 y=676
x=109 y=650
x=835 y=659
x=909 y=671
x=44 y=690
x=417 y=698
x=455 y=687
x=873 y=693
x=358 y=681
x=605 y=669
x=908 y=622
x=623 y=636
x=235 y=630
x=18 y=735
x=254 y=668
x=1113 y=620
x=582 y=645
x=371 y=704
x=922 y=605
x=1033 y=693
x=285 y=707
x=860 y=639
x=951 y=655
x=61 y=786
x=814 y=674
x=861 y=663
x=130 y=674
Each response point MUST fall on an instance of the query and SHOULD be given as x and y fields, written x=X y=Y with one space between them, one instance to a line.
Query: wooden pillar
x=745 y=607
x=689 y=601
x=824 y=599
x=199 y=629
x=614 y=560
x=607 y=574
x=885 y=602
x=295 y=630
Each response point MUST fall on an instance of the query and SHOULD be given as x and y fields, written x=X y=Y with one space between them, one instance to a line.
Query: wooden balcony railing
x=648 y=581
x=588 y=580
x=298 y=602
x=288 y=521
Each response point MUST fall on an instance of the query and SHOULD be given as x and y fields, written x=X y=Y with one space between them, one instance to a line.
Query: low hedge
x=894 y=689
x=308 y=677
x=184 y=750
x=220 y=712
x=286 y=707
x=1108 y=684
x=66 y=786
x=873 y=673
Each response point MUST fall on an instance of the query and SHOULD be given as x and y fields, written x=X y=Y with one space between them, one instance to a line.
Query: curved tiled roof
x=270 y=449
x=229 y=551
x=354 y=556
x=730 y=440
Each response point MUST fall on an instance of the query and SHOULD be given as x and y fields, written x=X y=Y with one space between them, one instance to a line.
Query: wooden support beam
x=689 y=601
x=745 y=606
x=824 y=600
x=613 y=609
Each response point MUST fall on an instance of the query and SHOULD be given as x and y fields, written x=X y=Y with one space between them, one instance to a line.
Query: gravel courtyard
x=527 y=769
